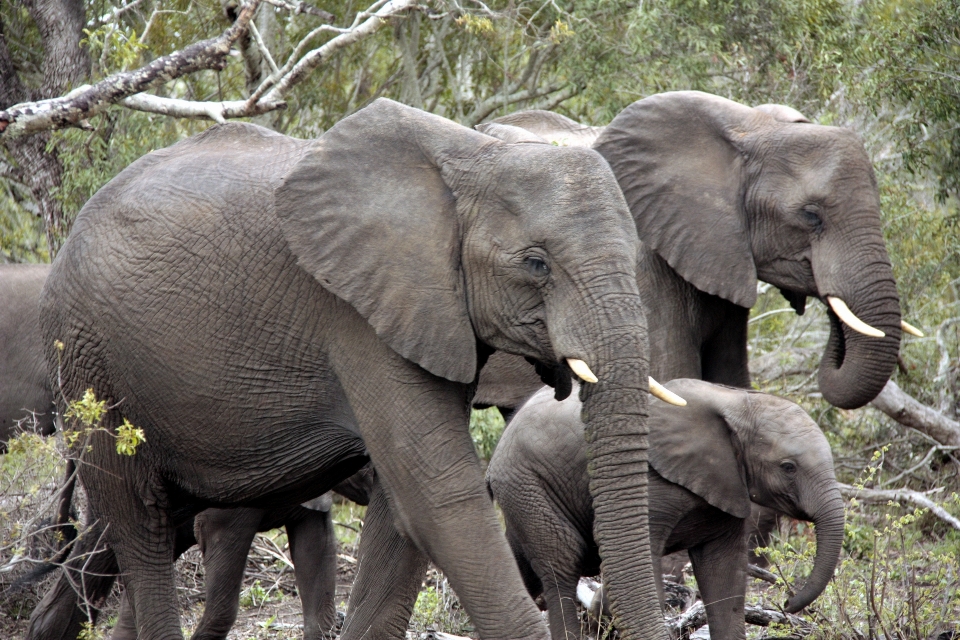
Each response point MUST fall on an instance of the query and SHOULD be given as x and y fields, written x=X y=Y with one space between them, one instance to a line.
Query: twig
x=761 y=574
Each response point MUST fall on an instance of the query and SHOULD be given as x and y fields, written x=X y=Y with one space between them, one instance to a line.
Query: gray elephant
x=715 y=208
x=24 y=384
x=708 y=460
x=224 y=536
x=270 y=310
x=723 y=194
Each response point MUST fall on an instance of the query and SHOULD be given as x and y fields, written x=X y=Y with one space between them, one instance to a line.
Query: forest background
x=889 y=69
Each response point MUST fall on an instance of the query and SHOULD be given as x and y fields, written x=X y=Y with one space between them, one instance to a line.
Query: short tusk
x=580 y=368
x=843 y=312
x=909 y=328
x=665 y=394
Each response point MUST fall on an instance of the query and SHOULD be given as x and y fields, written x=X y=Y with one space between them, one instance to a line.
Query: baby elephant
x=708 y=461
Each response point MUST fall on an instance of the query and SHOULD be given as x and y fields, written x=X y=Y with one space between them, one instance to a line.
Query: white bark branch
x=216 y=111
x=906 y=410
x=883 y=496
x=295 y=73
x=87 y=101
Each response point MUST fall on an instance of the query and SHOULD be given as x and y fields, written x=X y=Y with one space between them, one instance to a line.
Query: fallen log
x=910 y=412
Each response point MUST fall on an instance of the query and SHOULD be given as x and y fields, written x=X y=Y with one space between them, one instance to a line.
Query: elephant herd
x=277 y=315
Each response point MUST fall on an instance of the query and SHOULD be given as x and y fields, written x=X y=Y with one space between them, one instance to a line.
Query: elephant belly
x=206 y=334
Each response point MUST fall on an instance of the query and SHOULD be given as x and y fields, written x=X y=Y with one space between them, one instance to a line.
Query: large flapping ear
x=553 y=127
x=368 y=214
x=782 y=113
x=694 y=447
x=681 y=171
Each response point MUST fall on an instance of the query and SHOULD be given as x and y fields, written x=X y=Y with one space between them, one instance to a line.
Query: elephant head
x=451 y=242
x=732 y=446
x=725 y=194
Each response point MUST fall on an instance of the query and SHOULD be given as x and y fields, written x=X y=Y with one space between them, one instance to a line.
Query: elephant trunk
x=855 y=367
x=829 y=524
x=615 y=414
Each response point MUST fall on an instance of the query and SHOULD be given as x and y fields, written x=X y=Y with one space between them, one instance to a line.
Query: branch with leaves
x=126 y=88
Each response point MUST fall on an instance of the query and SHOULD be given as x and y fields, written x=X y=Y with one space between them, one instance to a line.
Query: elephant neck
x=681 y=319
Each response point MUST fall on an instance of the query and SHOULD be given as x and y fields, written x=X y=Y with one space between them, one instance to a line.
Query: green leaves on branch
x=87 y=413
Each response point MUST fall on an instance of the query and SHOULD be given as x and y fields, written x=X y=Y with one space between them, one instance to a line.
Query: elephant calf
x=708 y=461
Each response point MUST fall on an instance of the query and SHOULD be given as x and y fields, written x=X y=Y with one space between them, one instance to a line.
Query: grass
x=898 y=575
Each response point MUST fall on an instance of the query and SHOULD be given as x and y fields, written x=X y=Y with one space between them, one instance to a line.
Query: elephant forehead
x=791 y=431
x=553 y=184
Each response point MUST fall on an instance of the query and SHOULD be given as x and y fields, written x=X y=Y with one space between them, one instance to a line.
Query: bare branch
x=883 y=496
x=761 y=574
x=908 y=411
x=696 y=616
x=216 y=111
x=494 y=102
x=87 y=101
x=321 y=54
x=302 y=7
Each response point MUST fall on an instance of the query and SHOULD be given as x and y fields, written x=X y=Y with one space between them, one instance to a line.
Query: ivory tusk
x=843 y=312
x=665 y=394
x=580 y=368
x=909 y=328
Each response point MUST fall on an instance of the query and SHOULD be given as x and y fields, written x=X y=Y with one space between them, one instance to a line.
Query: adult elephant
x=25 y=394
x=723 y=194
x=270 y=310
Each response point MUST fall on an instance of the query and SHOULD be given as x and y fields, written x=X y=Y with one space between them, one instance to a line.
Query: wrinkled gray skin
x=271 y=312
x=224 y=536
x=24 y=384
x=709 y=460
x=723 y=194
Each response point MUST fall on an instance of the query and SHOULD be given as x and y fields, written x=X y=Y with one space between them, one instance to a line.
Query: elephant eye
x=811 y=214
x=537 y=267
x=788 y=467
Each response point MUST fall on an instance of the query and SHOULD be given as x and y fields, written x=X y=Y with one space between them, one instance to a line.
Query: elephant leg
x=126 y=626
x=390 y=573
x=224 y=536
x=762 y=522
x=429 y=468
x=135 y=505
x=721 y=571
x=314 y=550
x=74 y=599
x=560 y=594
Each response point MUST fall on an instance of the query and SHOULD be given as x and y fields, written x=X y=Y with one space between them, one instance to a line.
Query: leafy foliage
x=887 y=68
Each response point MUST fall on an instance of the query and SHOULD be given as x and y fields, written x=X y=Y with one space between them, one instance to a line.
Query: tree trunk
x=65 y=64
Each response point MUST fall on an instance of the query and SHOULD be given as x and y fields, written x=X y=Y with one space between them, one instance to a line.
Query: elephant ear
x=681 y=171
x=553 y=127
x=368 y=213
x=694 y=447
x=782 y=113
